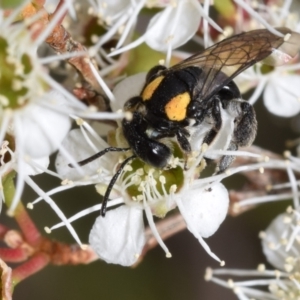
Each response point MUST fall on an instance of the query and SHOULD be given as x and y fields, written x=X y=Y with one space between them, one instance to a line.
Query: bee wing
x=226 y=59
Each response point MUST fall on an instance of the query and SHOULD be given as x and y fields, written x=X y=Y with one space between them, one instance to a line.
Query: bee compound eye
x=157 y=154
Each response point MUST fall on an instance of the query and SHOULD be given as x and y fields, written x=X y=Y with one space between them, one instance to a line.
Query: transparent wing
x=226 y=59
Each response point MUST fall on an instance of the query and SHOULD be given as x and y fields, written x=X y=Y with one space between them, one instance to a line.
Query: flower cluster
x=171 y=28
x=280 y=243
x=202 y=203
x=269 y=81
x=37 y=112
x=34 y=115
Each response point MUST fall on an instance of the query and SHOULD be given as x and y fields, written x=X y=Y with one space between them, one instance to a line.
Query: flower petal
x=282 y=94
x=206 y=208
x=44 y=128
x=36 y=166
x=113 y=7
x=119 y=237
x=175 y=25
x=77 y=146
x=126 y=89
x=273 y=247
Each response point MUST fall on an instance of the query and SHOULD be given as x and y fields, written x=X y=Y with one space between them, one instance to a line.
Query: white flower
x=204 y=207
x=34 y=108
x=260 y=284
x=119 y=237
x=269 y=15
x=279 y=88
x=281 y=247
x=281 y=242
x=203 y=203
x=282 y=95
x=279 y=84
x=41 y=124
x=167 y=30
x=290 y=165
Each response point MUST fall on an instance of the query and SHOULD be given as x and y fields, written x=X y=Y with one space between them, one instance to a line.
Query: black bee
x=176 y=100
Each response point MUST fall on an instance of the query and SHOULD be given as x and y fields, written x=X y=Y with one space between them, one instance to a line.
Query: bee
x=175 y=102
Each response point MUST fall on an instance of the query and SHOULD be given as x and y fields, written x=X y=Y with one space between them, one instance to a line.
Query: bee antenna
x=99 y=154
x=111 y=184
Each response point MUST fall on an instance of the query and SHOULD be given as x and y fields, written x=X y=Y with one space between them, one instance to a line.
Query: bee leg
x=210 y=136
x=216 y=114
x=226 y=160
x=243 y=135
x=246 y=126
x=184 y=143
x=112 y=183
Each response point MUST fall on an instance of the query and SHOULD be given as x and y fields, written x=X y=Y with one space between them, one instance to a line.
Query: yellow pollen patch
x=176 y=107
x=151 y=87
